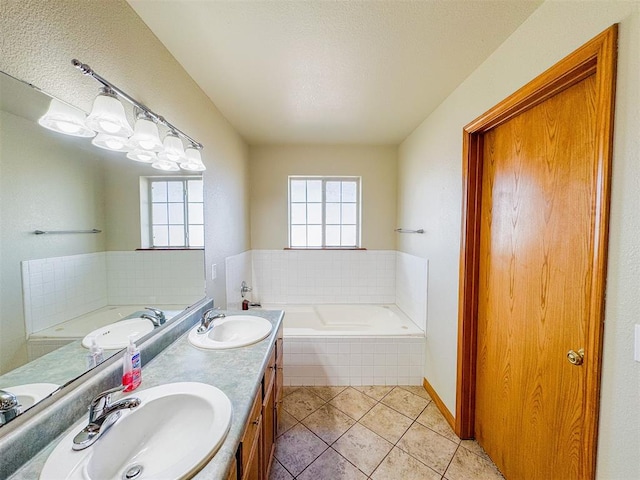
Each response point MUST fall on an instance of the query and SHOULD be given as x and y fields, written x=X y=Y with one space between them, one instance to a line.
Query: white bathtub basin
x=116 y=335
x=31 y=393
x=174 y=432
x=232 y=332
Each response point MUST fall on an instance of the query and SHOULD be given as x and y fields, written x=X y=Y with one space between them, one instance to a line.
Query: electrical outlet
x=214 y=271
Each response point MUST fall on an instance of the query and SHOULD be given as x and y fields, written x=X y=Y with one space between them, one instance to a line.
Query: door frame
x=597 y=57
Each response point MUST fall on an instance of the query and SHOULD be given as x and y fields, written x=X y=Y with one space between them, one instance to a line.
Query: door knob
x=576 y=358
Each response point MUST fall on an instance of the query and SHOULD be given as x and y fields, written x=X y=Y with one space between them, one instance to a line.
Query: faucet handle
x=244 y=288
x=157 y=313
x=101 y=401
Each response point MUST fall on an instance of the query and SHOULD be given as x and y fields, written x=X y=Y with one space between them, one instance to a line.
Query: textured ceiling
x=330 y=71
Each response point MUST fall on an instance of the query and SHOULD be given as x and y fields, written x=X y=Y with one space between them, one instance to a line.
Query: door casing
x=597 y=57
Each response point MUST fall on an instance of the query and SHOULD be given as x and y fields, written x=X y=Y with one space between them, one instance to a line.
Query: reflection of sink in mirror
x=31 y=393
x=231 y=332
x=116 y=335
x=195 y=420
x=79 y=327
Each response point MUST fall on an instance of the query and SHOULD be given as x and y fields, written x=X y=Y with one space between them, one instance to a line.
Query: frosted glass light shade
x=173 y=149
x=143 y=156
x=107 y=116
x=111 y=142
x=165 y=165
x=63 y=118
x=145 y=136
x=193 y=162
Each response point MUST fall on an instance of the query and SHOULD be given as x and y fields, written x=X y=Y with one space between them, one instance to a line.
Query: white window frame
x=146 y=210
x=324 y=179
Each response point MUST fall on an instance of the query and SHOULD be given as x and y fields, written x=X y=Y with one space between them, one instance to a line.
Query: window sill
x=153 y=249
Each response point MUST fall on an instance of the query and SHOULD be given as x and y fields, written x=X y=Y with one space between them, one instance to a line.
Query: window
x=324 y=212
x=175 y=211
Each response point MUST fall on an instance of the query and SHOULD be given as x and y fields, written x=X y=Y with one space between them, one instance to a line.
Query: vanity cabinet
x=255 y=453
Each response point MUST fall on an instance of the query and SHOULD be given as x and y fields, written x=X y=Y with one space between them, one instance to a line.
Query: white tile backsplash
x=239 y=268
x=411 y=287
x=57 y=289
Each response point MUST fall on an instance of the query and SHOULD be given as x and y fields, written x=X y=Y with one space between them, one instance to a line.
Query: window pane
x=314 y=236
x=349 y=236
x=196 y=213
x=333 y=235
x=349 y=192
x=314 y=213
x=349 y=213
x=176 y=213
x=314 y=190
x=159 y=213
x=175 y=192
x=298 y=213
x=298 y=190
x=176 y=236
x=333 y=191
x=196 y=235
x=195 y=191
x=333 y=213
x=299 y=236
x=160 y=236
x=159 y=191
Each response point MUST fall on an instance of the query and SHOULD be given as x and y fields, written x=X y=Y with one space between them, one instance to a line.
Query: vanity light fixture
x=63 y=118
x=107 y=115
x=108 y=119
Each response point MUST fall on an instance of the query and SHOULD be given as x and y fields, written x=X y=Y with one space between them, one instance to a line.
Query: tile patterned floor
x=378 y=433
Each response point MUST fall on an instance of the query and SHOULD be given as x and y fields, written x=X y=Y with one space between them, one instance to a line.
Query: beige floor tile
x=469 y=466
x=331 y=466
x=328 y=423
x=278 y=472
x=302 y=403
x=289 y=390
x=298 y=448
x=417 y=390
x=362 y=447
x=474 y=447
x=376 y=391
x=326 y=393
x=405 y=402
x=432 y=418
x=353 y=403
x=386 y=422
x=429 y=447
x=285 y=421
x=400 y=465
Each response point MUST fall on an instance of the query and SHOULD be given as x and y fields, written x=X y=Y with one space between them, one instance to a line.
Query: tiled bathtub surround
x=411 y=287
x=307 y=277
x=238 y=268
x=353 y=361
x=57 y=289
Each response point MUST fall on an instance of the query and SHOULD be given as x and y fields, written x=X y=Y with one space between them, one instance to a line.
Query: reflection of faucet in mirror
x=156 y=316
x=9 y=406
x=59 y=288
x=102 y=415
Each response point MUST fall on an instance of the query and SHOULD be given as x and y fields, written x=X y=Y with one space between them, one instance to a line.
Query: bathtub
x=351 y=345
x=50 y=339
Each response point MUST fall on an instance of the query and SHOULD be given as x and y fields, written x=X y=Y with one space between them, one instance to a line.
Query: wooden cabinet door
x=268 y=428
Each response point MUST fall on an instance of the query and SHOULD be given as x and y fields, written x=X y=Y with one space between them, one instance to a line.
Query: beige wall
x=430 y=195
x=271 y=166
x=40 y=39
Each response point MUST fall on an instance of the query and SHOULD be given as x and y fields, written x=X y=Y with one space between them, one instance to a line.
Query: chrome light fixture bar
x=87 y=70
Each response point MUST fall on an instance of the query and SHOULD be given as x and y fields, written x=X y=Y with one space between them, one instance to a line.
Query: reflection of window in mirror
x=172 y=212
x=324 y=212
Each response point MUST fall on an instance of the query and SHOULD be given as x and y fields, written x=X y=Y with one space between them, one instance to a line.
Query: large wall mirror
x=58 y=287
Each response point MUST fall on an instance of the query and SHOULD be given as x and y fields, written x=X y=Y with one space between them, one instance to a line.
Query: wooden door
x=533 y=266
x=535 y=281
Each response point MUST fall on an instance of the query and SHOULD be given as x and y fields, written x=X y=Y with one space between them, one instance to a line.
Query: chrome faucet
x=155 y=316
x=206 y=322
x=9 y=407
x=102 y=415
x=244 y=288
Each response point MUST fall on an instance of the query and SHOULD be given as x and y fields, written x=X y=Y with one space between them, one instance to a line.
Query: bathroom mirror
x=57 y=287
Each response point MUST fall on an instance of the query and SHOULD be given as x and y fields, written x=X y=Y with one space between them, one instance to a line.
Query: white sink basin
x=31 y=393
x=116 y=335
x=174 y=432
x=232 y=332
